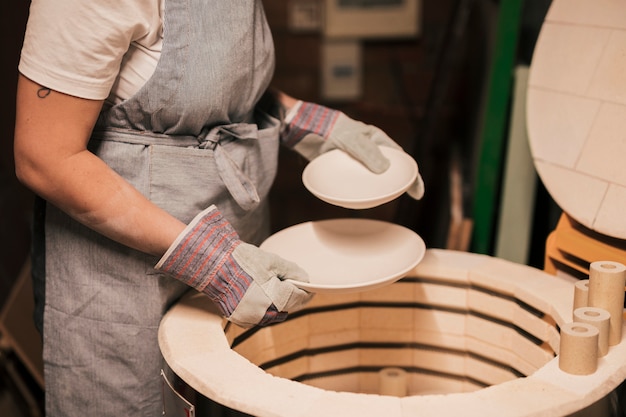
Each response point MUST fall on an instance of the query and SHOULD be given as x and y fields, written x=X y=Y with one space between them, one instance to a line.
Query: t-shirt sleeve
x=76 y=46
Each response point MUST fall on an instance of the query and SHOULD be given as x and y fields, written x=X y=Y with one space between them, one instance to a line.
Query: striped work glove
x=245 y=282
x=311 y=129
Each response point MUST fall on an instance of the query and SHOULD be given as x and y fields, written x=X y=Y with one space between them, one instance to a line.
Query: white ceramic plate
x=337 y=178
x=348 y=255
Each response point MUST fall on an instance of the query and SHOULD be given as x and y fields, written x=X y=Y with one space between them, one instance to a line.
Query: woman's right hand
x=247 y=284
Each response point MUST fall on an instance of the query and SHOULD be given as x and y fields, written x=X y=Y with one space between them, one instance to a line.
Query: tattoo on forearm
x=43 y=92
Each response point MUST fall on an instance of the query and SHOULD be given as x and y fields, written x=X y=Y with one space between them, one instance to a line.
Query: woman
x=147 y=128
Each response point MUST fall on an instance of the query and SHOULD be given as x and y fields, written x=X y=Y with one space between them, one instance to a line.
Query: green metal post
x=494 y=129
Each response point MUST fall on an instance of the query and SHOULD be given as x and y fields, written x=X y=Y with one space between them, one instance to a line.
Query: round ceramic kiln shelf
x=477 y=336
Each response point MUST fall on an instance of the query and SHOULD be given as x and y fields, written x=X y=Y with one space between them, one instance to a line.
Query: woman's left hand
x=311 y=129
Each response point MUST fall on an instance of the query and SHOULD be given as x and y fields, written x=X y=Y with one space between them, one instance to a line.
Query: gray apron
x=189 y=138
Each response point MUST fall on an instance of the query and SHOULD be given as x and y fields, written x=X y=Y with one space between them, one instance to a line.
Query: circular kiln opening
x=446 y=336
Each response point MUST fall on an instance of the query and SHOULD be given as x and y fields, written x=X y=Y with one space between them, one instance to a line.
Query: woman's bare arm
x=51 y=158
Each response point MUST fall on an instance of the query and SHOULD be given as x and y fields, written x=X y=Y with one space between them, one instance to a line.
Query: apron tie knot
x=240 y=186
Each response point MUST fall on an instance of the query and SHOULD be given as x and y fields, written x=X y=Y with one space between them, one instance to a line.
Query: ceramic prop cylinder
x=598 y=318
x=392 y=381
x=606 y=290
x=581 y=294
x=578 y=349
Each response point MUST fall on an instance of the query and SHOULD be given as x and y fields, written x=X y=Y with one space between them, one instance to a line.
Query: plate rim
x=359 y=202
x=337 y=288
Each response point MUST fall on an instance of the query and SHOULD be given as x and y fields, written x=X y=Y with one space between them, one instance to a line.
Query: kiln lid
x=576 y=111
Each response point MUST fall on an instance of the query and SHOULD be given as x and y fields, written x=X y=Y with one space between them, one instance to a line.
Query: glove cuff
x=307 y=118
x=291 y=113
x=200 y=250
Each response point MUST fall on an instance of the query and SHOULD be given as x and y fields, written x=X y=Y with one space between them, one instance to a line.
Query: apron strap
x=239 y=185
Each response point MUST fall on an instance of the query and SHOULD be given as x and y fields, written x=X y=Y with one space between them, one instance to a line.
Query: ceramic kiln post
x=606 y=291
x=578 y=353
x=393 y=381
x=581 y=294
x=598 y=318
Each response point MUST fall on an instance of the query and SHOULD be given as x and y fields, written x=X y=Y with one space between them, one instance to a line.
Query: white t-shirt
x=93 y=49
